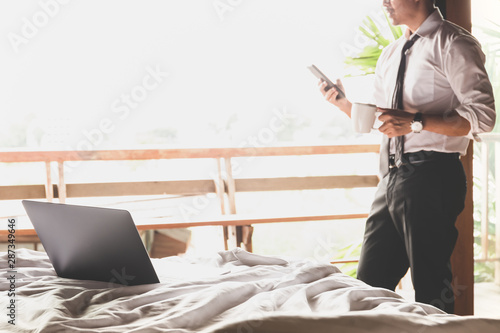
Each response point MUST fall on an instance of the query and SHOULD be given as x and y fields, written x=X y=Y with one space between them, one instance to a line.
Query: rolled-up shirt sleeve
x=464 y=66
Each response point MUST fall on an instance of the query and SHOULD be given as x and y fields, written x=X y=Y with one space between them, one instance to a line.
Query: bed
x=230 y=291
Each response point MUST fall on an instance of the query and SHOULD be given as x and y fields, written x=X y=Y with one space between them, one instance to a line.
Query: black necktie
x=397 y=103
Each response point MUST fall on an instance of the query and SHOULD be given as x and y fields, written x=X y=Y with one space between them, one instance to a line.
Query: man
x=444 y=99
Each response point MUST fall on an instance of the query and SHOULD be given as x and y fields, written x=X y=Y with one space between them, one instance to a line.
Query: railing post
x=497 y=229
x=49 y=190
x=62 y=184
x=484 y=200
x=231 y=188
x=220 y=187
x=237 y=235
x=220 y=191
x=232 y=231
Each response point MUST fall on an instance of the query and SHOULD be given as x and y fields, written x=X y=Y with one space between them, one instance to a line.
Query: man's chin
x=391 y=17
x=395 y=22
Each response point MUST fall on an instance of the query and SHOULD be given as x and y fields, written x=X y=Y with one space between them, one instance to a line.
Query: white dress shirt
x=445 y=72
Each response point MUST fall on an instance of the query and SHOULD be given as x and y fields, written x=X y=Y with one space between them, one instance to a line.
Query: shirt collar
x=431 y=23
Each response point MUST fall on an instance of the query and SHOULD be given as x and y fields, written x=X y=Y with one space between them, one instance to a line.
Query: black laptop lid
x=91 y=243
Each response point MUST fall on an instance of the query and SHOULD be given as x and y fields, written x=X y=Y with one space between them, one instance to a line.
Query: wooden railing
x=224 y=185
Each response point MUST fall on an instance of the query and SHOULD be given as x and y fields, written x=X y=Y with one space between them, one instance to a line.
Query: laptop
x=92 y=243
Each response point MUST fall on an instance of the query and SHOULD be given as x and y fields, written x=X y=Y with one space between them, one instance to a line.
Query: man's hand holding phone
x=329 y=84
x=332 y=96
x=333 y=92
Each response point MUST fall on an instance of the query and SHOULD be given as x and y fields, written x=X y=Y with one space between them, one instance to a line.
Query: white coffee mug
x=363 y=117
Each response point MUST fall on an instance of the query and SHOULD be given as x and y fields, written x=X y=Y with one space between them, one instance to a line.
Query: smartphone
x=324 y=78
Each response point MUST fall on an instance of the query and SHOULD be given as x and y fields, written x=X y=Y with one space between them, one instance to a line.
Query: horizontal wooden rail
x=19 y=192
x=242 y=220
x=486 y=259
x=187 y=187
x=177 y=187
x=344 y=261
x=304 y=183
x=222 y=220
x=181 y=187
x=151 y=154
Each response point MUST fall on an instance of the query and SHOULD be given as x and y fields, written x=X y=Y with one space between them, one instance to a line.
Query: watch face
x=416 y=126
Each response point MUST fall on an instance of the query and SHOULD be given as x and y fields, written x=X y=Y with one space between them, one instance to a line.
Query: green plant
x=381 y=35
x=353 y=250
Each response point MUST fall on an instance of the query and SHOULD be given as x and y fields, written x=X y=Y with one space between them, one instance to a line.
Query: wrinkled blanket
x=231 y=291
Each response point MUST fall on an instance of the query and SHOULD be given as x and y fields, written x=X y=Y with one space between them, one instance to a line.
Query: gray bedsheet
x=232 y=291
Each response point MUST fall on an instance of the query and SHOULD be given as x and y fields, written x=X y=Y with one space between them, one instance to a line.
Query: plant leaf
x=366 y=60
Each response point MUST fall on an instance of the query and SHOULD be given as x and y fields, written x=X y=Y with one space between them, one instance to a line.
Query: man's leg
x=432 y=195
x=383 y=260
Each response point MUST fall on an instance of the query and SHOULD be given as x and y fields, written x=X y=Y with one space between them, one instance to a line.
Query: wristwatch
x=416 y=124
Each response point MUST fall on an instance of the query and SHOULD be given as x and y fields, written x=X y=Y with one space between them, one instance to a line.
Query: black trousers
x=412 y=224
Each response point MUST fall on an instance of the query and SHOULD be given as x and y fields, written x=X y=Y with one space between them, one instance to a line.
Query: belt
x=421 y=157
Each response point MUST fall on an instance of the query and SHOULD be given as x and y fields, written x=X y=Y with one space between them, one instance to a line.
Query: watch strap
x=418 y=117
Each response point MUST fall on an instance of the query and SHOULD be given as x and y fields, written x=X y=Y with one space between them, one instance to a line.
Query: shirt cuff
x=474 y=124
